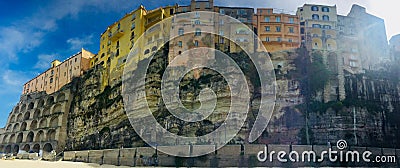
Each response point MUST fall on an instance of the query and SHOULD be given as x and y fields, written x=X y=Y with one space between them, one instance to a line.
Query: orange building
x=59 y=74
x=277 y=31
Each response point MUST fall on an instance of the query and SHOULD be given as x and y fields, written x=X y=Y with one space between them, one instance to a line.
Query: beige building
x=59 y=74
x=277 y=31
x=318 y=26
x=231 y=33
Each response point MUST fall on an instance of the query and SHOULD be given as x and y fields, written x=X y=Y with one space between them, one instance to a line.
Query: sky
x=35 y=32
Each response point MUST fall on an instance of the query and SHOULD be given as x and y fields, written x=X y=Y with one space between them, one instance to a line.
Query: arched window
x=314 y=8
x=325 y=9
x=315 y=17
x=146 y=51
x=325 y=17
x=154 y=48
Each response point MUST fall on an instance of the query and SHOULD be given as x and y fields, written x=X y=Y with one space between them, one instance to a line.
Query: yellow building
x=318 y=26
x=59 y=74
x=119 y=38
x=277 y=31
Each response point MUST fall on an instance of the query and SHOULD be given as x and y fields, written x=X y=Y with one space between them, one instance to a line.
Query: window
x=196 y=43
x=179 y=52
x=221 y=32
x=132 y=35
x=267 y=28
x=266 y=19
x=278 y=28
x=327 y=27
x=353 y=64
x=221 y=22
x=291 y=30
x=278 y=19
x=133 y=26
x=117 y=46
x=52 y=72
x=325 y=17
x=241 y=12
x=208 y=5
x=197 y=32
x=146 y=51
x=316 y=26
x=222 y=11
x=51 y=80
x=315 y=17
x=119 y=26
x=314 y=8
x=197 y=15
x=291 y=20
x=197 y=5
x=133 y=16
x=197 y=22
x=325 y=9
x=180 y=31
x=117 y=53
x=279 y=39
x=302 y=30
x=267 y=39
x=290 y=40
x=221 y=40
x=180 y=43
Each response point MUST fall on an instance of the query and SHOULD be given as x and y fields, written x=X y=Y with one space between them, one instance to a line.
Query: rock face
x=89 y=118
x=368 y=115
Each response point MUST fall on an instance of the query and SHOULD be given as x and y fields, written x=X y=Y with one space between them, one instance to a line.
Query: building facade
x=371 y=36
x=231 y=34
x=119 y=38
x=59 y=74
x=318 y=26
x=277 y=31
x=395 y=48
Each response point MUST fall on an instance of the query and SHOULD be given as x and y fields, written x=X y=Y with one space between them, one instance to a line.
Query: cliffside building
x=59 y=74
x=277 y=31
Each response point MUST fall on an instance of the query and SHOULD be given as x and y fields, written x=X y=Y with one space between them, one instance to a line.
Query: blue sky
x=35 y=32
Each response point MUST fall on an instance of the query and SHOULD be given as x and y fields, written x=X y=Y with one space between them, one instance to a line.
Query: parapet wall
x=232 y=155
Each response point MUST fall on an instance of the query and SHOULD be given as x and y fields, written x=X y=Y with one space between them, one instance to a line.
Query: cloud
x=14 y=41
x=44 y=61
x=78 y=43
x=12 y=81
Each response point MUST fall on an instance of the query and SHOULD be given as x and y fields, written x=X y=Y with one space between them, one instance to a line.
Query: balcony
x=116 y=35
x=154 y=17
